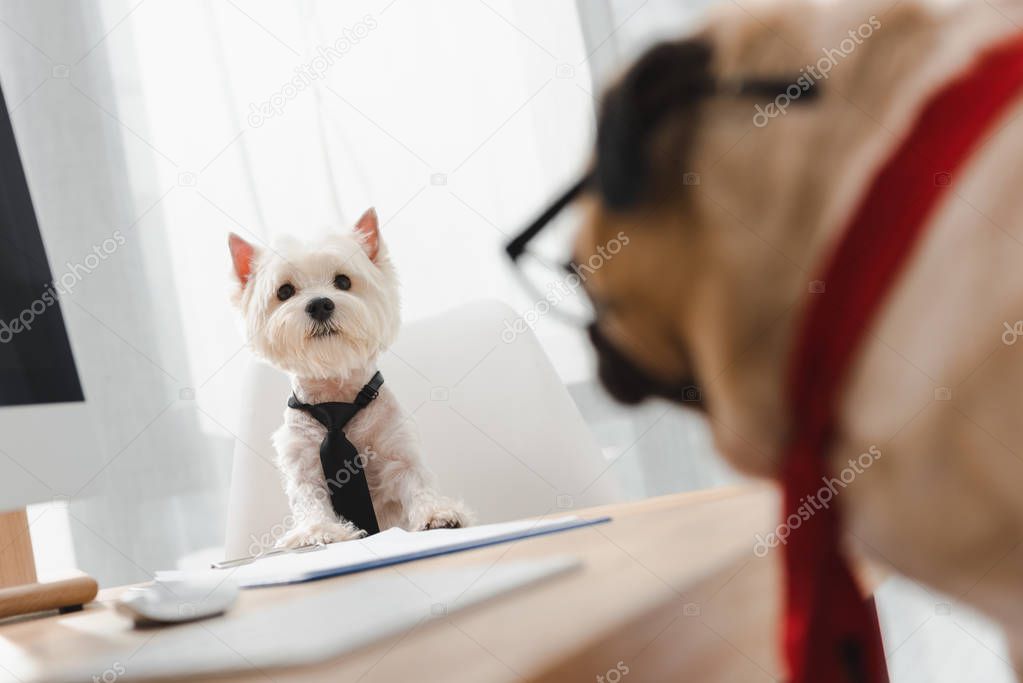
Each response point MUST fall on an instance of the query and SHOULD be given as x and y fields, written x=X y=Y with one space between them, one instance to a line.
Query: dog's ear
x=669 y=79
x=368 y=230
x=243 y=255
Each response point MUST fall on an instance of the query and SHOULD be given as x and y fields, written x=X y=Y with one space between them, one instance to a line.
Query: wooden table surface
x=670 y=590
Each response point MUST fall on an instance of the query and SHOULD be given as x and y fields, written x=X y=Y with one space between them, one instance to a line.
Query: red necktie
x=831 y=631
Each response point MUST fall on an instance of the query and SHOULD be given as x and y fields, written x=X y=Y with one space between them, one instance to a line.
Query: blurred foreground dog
x=745 y=198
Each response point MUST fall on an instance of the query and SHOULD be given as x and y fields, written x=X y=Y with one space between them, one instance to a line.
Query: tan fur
x=715 y=280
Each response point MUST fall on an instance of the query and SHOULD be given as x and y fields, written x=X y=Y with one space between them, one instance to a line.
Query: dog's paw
x=445 y=518
x=320 y=533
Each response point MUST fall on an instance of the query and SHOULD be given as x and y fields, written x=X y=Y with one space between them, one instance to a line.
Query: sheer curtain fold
x=81 y=137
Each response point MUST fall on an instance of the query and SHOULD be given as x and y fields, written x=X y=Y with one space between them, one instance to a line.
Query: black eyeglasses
x=559 y=286
x=555 y=283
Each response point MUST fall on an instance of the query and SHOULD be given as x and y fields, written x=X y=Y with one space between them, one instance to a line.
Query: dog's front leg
x=426 y=509
x=313 y=520
x=407 y=479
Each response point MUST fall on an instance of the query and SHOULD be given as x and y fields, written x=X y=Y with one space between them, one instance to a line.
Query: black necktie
x=343 y=469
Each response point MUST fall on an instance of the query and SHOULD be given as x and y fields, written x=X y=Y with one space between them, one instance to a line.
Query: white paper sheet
x=393 y=546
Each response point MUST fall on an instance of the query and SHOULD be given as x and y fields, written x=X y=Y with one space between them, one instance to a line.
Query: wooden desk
x=670 y=589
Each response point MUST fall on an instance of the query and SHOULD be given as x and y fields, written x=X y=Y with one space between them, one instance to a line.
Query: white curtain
x=81 y=146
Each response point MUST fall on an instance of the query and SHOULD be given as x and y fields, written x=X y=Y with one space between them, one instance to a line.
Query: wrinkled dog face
x=636 y=188
x=641 y=347
x=681 y=169
x=322 y=309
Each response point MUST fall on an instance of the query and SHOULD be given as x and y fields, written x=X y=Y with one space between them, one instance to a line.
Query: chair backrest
x=496 y=423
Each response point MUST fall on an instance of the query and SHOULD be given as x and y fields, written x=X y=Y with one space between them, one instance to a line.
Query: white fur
x=365 y=322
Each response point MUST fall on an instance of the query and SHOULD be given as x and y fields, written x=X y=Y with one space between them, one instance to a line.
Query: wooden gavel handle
x=39 y=597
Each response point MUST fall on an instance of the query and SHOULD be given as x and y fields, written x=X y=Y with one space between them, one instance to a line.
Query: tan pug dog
x=742 y=201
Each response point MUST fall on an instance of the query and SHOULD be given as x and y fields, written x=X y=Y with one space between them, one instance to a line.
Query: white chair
x=497 y=426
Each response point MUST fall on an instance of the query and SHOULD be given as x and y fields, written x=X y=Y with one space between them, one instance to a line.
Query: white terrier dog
x=323 y=313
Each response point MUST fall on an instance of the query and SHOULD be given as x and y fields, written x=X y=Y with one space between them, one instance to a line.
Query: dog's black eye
x=342 y=282
x=285 y=292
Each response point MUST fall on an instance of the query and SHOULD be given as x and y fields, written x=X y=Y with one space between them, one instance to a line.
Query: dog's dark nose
x=630 y=384
x=320 y=309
